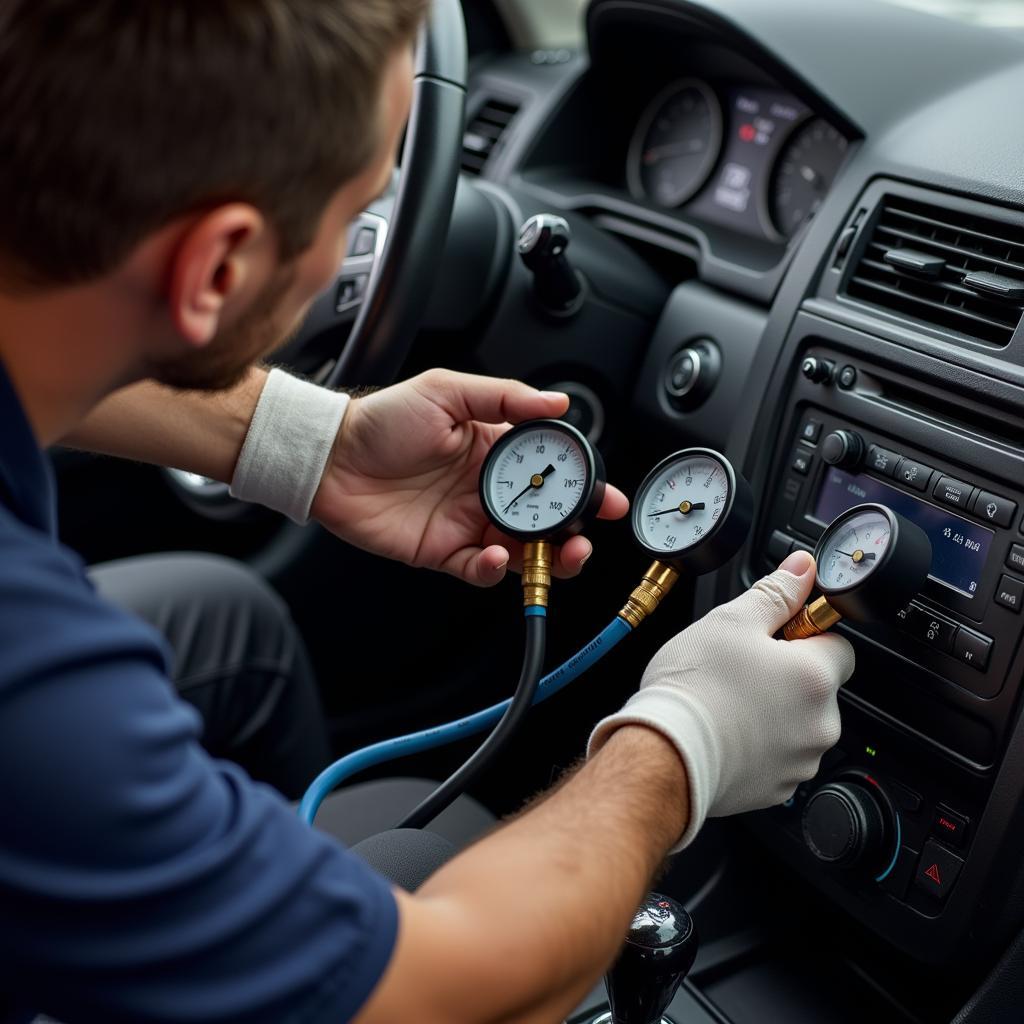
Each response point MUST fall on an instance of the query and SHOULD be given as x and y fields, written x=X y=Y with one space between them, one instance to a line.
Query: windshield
x=995 y=13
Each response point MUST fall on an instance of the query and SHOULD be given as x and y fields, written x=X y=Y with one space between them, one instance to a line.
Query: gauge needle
x=535 y=481
x=859 y=556
x=686 y=507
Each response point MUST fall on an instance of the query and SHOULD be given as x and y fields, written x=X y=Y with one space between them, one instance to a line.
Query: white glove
x=750 y=716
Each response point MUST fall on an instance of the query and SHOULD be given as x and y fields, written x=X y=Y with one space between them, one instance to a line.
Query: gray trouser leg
x=238 y=659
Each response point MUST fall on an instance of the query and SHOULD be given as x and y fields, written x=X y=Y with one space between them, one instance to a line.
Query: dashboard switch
x=803 y=457
x=1015 y=557
x=937 y=870
x=881 y=460
x=810 y=431
x=932 y=629
x=914 y=474
x=1010 y=593
x=953 y=492
x=950 y=827
x=994 y=509
x=817 y=371
x=972 y=648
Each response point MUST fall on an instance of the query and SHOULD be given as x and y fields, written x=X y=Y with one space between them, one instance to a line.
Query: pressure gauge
x=542 y=481
x=693 y=510
x=871 y=562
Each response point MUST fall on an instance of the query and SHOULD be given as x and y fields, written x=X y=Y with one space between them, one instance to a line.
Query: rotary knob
x=844 y=825
x=843 y=448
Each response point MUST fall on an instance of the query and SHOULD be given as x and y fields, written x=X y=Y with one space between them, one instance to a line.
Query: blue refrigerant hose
x=439 y=735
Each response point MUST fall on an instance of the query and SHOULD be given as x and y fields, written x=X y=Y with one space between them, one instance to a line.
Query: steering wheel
x=360 y=330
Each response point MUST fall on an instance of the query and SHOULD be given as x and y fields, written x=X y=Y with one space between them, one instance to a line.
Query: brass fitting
x=536 y=573
x=811 y=620
x=656 y=583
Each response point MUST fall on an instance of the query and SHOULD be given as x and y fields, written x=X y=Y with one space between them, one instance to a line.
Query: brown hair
x=116 y=116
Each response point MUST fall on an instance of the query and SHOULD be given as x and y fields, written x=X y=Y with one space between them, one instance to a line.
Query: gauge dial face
x=536 y=479
x=852 y=549
x=804 y=172
x=676 y=144
x=682 y=504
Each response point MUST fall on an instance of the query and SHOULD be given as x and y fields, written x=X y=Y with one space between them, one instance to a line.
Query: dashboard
x=801 y=226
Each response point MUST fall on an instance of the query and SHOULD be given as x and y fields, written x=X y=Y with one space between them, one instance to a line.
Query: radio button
x=994 y=509
x=972 y=649
x=1015 y=558
x=930 y=628
x=1010 y=593
x=914 y=474
x=881 y=460
x=803 y=457
x=954 y=492
x=810 y=431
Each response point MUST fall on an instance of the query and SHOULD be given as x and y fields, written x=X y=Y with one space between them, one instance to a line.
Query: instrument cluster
x=752 y=159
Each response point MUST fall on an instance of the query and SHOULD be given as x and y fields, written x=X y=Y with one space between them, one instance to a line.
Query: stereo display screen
x=959 y=547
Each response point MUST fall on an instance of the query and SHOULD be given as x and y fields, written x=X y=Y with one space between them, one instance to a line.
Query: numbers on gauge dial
x=538 y=481
x=683 y=503
x=854 y=551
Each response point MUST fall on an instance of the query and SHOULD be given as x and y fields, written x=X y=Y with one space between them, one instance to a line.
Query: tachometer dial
x=803 y=174
x=675 y=144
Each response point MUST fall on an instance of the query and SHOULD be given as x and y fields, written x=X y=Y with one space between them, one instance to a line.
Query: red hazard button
x=937 y=869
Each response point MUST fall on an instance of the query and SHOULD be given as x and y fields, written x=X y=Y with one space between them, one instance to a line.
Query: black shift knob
x=557 y=287
x=660 y=948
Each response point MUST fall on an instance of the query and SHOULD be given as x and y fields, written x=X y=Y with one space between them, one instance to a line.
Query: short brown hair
x=116 y=116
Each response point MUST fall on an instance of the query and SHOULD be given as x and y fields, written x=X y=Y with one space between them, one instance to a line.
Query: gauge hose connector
x=811 y=620
x=648 y=594
x=536 y=573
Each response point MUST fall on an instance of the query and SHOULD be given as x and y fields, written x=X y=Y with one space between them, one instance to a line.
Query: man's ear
x=220 y=262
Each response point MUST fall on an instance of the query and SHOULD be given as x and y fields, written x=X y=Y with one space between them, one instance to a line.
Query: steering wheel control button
x=883 y=461
x=954 y=492
x=843 y=448
x=950 y=827
x=847 y=377
x=817 y=371
x=972 y=648
x=914 y=474
x=803 y=458
x=937 y=870
x=1015 y=557
x=350 y=292
x=1010 y=593
x=994 y=509
x=810 y=431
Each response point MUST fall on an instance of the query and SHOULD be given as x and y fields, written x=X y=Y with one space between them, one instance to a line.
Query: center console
x=913 y=822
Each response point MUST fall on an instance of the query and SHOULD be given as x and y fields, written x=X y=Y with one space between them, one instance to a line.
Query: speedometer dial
x=804 y=172
x=675 y=144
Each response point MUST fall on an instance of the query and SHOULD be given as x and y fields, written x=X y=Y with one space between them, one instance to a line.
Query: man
x=178 y=178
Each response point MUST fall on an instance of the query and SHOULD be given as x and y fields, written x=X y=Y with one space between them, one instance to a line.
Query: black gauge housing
x=593 y=489
x=898 y=576
x=724 y=538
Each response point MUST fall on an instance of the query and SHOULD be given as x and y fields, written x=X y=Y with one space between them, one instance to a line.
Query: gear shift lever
x=660 y=949
x=558 y=289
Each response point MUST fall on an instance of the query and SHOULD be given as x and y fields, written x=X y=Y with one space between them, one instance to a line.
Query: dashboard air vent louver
x=484 y=132
x=943 y=267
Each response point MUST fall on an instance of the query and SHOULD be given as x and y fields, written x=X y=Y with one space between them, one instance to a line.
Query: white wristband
x=288 y=444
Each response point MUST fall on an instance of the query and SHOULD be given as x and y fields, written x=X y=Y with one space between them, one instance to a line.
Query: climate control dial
x=844 y=824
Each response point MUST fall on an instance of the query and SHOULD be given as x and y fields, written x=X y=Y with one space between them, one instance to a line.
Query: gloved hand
x=750 y=715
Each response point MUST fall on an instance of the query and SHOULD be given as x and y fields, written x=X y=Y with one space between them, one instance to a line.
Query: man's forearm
x=197 y=431
x=521 y=925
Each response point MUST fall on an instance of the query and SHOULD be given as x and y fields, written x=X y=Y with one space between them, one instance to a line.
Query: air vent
x=484 y=133
x=945 y=268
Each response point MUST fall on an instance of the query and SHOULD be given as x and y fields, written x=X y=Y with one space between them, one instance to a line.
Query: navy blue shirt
x=140 y=880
